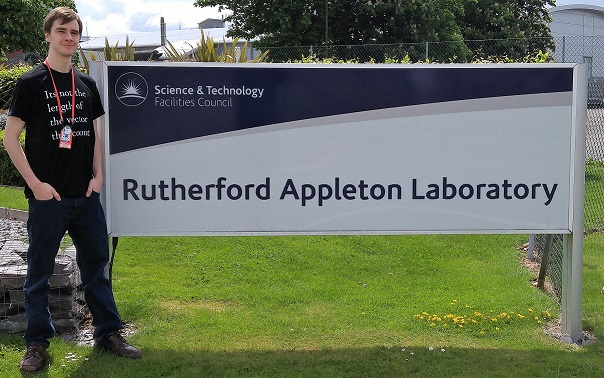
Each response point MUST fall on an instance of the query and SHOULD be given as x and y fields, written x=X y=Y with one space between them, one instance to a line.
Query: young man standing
x=62 y=168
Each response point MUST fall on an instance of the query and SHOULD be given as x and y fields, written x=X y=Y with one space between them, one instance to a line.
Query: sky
x=111 y=17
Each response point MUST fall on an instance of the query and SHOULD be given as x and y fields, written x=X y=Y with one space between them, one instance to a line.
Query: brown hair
x=64 y=15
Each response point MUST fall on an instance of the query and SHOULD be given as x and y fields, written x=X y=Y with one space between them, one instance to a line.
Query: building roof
x=581 y=7
x=151 y=40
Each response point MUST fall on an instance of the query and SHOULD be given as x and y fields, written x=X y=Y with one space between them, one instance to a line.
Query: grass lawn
x=12 y=198
x=334 y=306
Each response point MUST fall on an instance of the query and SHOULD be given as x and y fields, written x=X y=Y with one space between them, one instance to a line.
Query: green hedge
x=8 y=78
x=8 y=173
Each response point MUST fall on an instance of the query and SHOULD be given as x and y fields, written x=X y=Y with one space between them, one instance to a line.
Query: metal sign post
x=572 y=263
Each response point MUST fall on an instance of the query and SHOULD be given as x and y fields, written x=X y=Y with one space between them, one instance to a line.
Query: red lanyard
x=73 y=96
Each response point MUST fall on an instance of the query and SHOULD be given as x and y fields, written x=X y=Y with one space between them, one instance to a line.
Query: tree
x=21 y=24
x=315 y=23
x=392 y=22
x=498 y=19
x=519 y=26
x=291 y=23
x=360 y=22
x=276 y=21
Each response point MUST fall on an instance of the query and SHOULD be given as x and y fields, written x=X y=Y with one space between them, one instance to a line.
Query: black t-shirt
x=34 y=101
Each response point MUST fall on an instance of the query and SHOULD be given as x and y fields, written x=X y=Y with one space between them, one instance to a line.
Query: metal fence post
x=563 y=49
x=544 y=261
x=531 y=247
x=427 y=51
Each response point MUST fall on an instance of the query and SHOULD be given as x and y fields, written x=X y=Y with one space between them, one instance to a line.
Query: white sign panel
x=205 y=149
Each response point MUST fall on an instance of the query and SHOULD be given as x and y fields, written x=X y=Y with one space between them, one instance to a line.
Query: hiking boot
x=118 y=345
x=34 y=359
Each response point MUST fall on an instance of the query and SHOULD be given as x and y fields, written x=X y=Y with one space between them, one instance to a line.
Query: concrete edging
x=14 y=214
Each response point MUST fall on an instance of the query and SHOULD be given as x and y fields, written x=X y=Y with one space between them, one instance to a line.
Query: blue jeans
x=83 y=218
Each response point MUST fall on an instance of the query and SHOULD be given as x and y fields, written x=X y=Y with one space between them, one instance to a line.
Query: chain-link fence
x=588 y=50
x=501 y=50
x=547 y=249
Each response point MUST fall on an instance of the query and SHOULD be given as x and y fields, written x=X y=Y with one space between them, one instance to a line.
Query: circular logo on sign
x=131 y=89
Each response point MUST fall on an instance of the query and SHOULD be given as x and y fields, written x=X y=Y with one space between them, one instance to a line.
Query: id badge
x=66 y=137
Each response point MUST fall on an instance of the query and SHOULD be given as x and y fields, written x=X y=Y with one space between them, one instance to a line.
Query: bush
x=8 y=78
x=8 y=173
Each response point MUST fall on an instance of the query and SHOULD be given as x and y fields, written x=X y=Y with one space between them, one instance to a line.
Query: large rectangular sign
x=205 y=149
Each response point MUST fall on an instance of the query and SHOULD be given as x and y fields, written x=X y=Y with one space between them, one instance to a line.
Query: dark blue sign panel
x=156 y=101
